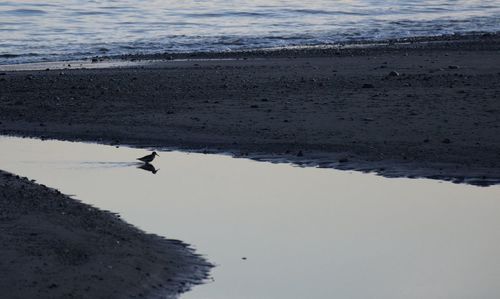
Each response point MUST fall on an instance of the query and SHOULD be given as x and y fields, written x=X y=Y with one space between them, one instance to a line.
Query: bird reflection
x=148 y=167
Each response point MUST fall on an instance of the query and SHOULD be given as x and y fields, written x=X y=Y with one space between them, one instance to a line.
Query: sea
x=37 y=31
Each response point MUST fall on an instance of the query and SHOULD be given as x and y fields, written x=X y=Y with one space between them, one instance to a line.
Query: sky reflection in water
x=305 y=233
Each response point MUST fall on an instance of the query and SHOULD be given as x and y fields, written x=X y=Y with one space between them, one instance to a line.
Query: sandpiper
x=149 y=158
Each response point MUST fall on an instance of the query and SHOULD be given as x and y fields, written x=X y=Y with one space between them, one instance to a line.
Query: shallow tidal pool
x=279 y=231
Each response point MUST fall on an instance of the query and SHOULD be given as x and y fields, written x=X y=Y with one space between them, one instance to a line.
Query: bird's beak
x=157 y=155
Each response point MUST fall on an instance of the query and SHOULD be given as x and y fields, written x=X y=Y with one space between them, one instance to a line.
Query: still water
x=73 y=29
x=278 y=231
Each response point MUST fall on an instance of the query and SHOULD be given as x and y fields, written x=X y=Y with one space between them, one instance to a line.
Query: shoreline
x=472 y=39
x=385 y=168
x=415 y=110
x=58 y=247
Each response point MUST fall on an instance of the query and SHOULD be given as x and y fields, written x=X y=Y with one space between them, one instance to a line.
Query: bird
x=149 y=158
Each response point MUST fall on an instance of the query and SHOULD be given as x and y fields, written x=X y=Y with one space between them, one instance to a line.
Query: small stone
x=300 y=154
x=343 y=160
x=254 y=106
x=394 y=74
x=446 y=140
x=453 y=67
x=368 y=85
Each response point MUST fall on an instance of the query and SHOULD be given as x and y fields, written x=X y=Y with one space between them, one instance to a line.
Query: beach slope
x=54 y=246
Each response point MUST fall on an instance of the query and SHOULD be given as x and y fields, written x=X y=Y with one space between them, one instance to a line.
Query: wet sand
x=56 y=247
x=417 y=109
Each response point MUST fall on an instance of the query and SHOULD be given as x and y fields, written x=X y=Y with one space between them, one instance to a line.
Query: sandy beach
x=420 y=108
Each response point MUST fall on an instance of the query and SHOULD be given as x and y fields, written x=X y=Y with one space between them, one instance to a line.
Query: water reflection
x=148 y=167
x=305 y=233
x=101 y=164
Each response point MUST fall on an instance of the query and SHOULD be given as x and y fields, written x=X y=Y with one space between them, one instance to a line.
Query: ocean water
x=72 y=29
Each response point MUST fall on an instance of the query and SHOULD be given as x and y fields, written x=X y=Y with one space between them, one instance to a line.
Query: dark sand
x=56 y=247
x=437 y=117
x=429 y=108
